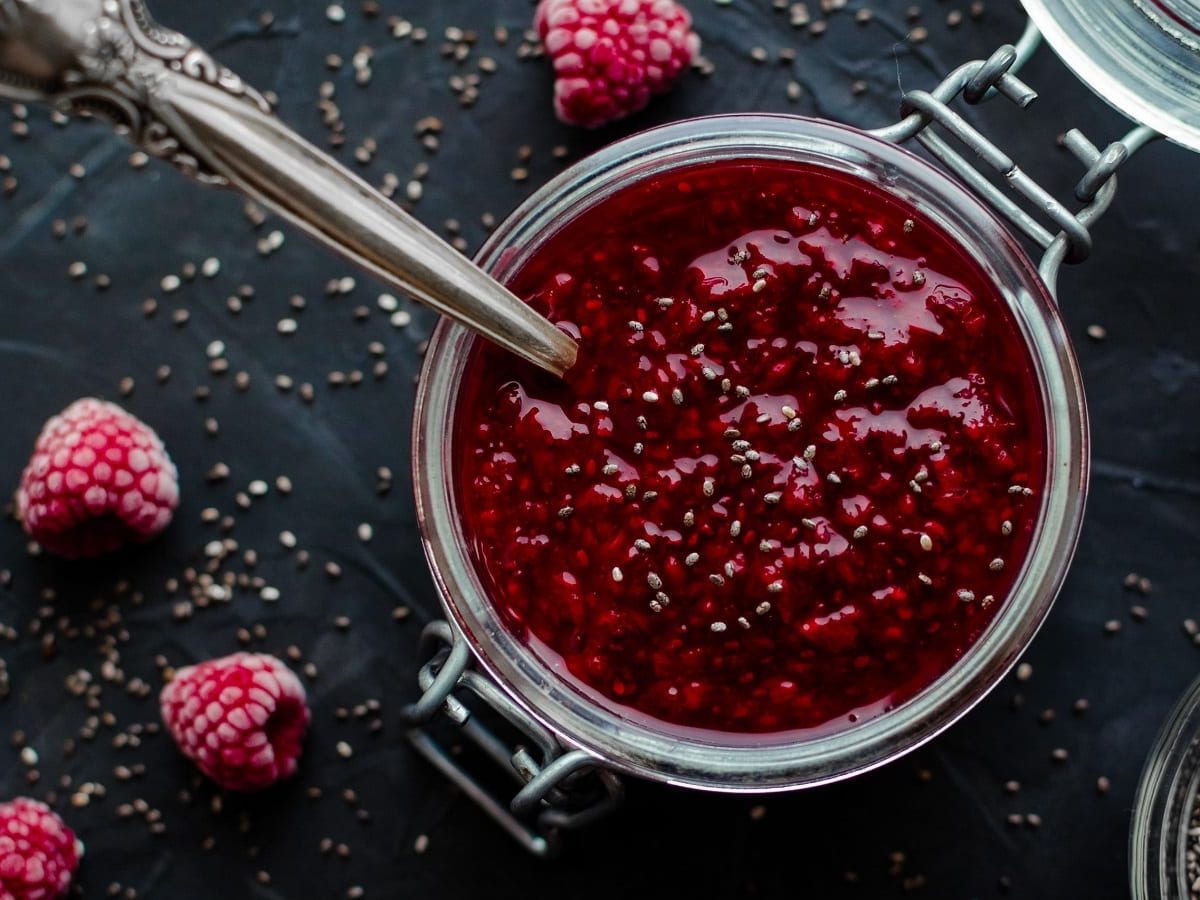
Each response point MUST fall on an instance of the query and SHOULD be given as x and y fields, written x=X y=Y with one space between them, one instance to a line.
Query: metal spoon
x=108 y=58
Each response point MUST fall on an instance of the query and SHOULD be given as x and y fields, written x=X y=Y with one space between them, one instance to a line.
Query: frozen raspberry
x=98 y=479
x=241 y=719
x=611 y=56
x=38 y=852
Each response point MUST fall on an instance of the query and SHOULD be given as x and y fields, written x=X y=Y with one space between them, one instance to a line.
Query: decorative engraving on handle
x=121 y=59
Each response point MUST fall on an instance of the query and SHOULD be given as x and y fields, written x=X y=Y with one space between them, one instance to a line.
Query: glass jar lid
x=1141 y=56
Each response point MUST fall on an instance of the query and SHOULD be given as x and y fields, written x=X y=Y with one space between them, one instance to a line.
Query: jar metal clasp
x=561 y=788
x=981 y=80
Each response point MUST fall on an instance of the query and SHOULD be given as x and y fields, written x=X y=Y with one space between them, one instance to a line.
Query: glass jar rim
x=758 y=762
x=1165 y=798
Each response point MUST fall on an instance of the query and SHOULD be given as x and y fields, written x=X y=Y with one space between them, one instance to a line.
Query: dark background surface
x=944 y=808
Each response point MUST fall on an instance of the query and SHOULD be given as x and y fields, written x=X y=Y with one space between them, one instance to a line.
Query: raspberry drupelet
x=611 y=56
x=99 y=479
x=241 y=719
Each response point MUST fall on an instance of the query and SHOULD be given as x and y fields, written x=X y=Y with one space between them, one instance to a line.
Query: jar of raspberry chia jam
x=812 y=485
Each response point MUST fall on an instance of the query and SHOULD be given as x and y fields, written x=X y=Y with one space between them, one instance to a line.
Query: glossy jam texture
x=795 y=471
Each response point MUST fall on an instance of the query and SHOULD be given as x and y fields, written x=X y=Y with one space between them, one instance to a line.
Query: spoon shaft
x=108 y=58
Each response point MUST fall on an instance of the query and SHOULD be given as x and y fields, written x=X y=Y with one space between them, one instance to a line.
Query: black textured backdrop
x=935 y=823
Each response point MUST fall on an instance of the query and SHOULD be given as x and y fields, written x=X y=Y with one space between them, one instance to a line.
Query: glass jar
x=1140 y=56
x=757 y=762
x=1166 y=798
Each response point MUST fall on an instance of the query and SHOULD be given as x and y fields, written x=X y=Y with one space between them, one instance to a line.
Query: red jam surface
x=795 y=471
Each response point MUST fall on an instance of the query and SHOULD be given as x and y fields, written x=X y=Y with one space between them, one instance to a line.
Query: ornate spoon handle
x=108 y=58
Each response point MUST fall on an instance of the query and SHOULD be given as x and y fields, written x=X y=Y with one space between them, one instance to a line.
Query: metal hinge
x=561 y=789
x=1067 y=237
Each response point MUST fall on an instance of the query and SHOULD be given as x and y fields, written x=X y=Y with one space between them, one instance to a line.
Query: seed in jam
x=798 y=461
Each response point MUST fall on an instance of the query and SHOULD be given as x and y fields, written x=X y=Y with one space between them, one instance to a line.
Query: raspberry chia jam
x=795 y=471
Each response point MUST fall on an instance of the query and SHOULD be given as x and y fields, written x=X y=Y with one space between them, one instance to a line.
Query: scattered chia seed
x=1138 y=583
